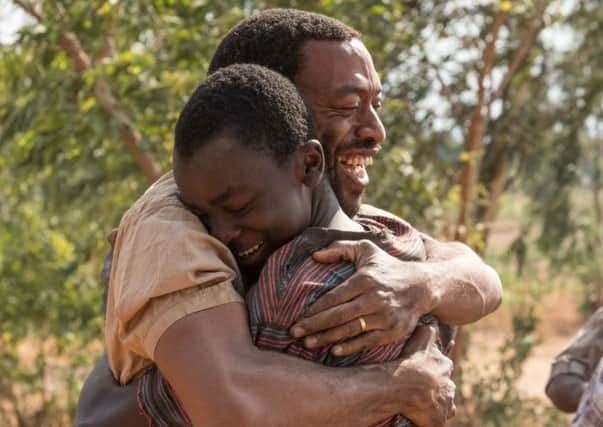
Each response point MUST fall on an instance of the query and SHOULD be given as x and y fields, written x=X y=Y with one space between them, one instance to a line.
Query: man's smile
x=355 y=163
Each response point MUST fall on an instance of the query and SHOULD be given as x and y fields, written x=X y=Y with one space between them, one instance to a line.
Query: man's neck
x=326 y=211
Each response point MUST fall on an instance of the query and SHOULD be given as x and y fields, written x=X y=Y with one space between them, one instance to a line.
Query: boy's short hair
x=256 y=105
x=274 y=38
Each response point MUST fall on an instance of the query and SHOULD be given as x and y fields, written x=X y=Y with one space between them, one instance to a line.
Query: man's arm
x=453 y=284
x=465 y=288
x=222 y=379
x=105 y=403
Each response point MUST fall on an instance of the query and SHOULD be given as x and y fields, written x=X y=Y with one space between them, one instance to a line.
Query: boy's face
x=246 y=199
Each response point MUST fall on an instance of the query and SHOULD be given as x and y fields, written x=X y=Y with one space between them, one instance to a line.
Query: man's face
x=340 y=85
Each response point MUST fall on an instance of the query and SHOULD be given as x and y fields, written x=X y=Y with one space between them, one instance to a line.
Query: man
x=206 y=352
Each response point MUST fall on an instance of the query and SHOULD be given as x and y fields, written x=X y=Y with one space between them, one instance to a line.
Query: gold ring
x=362 y=324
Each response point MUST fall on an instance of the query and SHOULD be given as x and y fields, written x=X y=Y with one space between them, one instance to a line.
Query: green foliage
x=491 y=398
x=66 y=176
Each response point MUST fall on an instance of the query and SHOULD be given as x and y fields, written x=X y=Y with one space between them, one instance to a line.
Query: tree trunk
x=475 y=132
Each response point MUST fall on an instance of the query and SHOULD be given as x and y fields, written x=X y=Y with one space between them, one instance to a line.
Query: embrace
x=251 y=285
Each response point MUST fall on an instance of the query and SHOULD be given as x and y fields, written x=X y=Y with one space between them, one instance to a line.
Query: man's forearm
x=465 y=289
x=105 y=403
x=222 y=379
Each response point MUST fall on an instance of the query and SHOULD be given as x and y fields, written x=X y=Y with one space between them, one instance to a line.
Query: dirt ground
x=559 y=322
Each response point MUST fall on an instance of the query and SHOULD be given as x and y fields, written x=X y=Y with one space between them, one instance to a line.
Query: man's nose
x=370 y=127
x=225 y=231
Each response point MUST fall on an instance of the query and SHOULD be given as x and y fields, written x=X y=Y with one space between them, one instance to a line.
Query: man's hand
x=426 y=372
x=388 y=294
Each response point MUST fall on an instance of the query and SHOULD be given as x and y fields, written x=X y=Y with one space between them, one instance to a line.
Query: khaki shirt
x=164 y=267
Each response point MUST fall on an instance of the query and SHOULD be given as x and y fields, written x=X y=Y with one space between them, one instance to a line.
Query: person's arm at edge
x=218 y=375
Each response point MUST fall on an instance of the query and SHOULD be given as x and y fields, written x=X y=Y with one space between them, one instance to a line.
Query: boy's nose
x=224 y=231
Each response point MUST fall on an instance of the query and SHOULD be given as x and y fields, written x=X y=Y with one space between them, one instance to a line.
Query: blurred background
x=495 y=137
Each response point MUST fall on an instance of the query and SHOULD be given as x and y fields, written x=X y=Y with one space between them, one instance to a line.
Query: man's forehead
x=338 y=66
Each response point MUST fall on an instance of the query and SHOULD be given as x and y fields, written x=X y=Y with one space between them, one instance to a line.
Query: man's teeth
x=251 y=250
x=356 y=160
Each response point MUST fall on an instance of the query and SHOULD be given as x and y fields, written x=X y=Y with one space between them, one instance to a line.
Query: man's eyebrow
x=351 y=88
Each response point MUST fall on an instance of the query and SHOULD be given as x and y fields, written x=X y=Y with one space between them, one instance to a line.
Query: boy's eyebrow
x=223 y=196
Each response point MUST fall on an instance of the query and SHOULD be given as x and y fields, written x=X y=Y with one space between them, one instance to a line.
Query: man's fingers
x=333 y=317
x=358 y=252
x=346 y=291
x=452 y=411
x=421 y=339
x=343 y=250
x=350 y=329
x=365 y=341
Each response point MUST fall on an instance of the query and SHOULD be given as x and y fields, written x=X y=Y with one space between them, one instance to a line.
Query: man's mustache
x=365 y=144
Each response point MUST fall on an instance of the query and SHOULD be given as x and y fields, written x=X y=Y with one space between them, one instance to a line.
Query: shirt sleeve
x=165 y=266
x=585 y=350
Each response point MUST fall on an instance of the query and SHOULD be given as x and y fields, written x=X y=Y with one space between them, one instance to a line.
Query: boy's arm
x=222 y=379
x=453 y=283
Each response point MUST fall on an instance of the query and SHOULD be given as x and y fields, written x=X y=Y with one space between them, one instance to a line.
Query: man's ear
x=311 y=163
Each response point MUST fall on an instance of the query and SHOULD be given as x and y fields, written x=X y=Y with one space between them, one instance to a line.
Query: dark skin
x=454 y=283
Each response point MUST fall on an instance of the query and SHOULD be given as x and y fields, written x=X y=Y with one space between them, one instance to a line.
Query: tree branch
x=476 y=130
x=70 y=44
x=30 y=9
x=525 y=45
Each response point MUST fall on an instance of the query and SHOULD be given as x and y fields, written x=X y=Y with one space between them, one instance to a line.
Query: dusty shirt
x=164 y=267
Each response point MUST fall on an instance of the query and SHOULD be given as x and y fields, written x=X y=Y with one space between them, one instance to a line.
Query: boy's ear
x=311 y=163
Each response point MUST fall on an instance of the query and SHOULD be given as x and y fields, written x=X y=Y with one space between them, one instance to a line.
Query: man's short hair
x=274 y=38
x=252 y=103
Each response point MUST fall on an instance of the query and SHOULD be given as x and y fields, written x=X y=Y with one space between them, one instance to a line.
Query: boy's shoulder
x=160 y=204
x=368 y=214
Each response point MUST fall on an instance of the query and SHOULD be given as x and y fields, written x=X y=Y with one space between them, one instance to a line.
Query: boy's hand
x=380 y=304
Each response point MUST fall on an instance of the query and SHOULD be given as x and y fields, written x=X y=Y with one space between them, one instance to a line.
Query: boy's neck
x=326 y=211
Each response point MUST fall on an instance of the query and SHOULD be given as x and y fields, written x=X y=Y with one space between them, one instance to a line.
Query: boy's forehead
x=225 y=168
